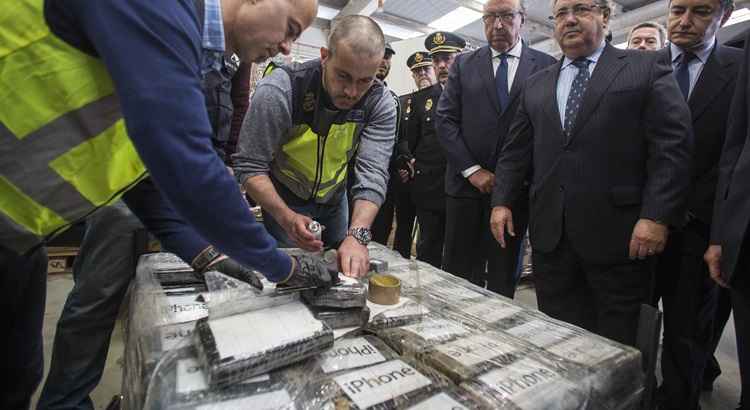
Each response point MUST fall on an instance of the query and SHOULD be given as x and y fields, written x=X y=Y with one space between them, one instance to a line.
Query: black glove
x=310 y=271
x=232 y=268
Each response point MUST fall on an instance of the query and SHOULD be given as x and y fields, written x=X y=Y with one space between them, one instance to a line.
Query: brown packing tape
x=384 y=289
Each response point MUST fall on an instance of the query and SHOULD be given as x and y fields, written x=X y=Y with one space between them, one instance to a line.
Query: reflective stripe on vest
x=296 y=165
x=64 y=150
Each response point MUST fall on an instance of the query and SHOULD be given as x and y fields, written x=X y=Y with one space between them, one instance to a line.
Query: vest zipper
x=320 y=153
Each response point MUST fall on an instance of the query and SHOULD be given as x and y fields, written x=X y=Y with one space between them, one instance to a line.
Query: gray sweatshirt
x=268 y=124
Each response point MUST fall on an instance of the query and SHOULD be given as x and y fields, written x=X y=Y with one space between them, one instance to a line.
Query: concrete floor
x=725 y=395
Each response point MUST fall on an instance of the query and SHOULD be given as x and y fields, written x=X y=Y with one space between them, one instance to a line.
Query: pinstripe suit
x=628 y=157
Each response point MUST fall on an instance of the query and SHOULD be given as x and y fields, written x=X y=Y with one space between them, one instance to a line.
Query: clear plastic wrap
x=348 y=293
x=403 y=313
x=229 y=296
x=414 y=338
x=237 y=347
x=528 y=384
x=342 y=318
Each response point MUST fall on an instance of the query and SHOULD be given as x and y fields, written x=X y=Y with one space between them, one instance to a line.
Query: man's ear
x=324 y=54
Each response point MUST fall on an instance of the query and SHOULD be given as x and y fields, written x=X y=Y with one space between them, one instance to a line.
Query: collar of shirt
x=515 y=51
x=701 y=53
x=593 y=57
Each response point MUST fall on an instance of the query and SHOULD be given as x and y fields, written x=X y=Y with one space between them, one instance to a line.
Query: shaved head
x=360 y=34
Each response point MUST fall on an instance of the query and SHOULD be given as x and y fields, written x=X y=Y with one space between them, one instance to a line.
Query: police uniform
x=428 y=185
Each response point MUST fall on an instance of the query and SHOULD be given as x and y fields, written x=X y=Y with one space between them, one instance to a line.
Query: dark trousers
x=689 y=298
x=471 y=251
x=23 y=280
x=740 y=290
x=397 y=199
x=431 y=234
x=723 y=311
x=405 y=214
x=604 y=299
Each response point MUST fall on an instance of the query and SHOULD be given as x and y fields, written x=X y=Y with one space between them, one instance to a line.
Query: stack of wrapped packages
x=217 y=343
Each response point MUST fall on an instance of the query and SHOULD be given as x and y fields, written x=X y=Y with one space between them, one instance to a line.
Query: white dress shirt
x=568 y=73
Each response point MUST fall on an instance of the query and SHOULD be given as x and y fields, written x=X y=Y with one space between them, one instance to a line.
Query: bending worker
x=305 y=123
x=82 y=126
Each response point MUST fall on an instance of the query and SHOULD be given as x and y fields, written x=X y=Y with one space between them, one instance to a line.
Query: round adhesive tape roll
x=384 y=289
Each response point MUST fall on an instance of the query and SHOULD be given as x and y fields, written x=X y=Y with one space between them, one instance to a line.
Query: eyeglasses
x=579 y=10
x=507 y=17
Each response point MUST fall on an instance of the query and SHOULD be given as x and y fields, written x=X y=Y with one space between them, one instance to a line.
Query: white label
x=171 y=336
x=440 y=401
x=265 y=401
x=492 y=310
x=476 y=349
x=350 y=353
x=184 y=308
x=380 y=383
x=258 y=331
x=435 y=329
x=585 y=350
x=528 y=384
x=539 y=333
x=192 y=378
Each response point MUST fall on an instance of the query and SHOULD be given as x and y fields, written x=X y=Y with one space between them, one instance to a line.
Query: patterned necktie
x=682 y=74
x=575 y=98
x=501 y=82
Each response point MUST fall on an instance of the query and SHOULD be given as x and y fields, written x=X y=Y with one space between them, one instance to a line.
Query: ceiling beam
x=361 y=7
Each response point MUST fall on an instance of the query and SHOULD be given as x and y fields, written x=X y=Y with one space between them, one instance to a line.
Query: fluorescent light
x=327 y=13
x=456 y=19
x=392 y=30
x=738 y=16
x=622 y=46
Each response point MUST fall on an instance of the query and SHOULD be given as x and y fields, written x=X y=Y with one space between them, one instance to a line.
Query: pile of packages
x=217 y=343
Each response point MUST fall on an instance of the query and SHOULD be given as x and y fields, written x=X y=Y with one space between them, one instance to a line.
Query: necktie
x=575 y=98
x=682 y=74
x=501 y=82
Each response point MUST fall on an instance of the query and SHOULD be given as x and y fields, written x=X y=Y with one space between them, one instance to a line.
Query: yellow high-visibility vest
x=64 y=150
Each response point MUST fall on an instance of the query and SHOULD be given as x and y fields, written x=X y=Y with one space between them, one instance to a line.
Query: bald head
x=360 y=35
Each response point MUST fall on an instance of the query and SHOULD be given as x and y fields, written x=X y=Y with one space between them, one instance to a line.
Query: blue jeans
x=335 y=218
x=23 y=281
x=102 y=273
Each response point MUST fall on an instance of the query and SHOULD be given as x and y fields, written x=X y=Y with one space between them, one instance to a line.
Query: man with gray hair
x=648 y=35
x=305 y=124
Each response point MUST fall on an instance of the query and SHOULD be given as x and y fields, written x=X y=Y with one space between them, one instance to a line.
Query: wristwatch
x=362 y=235
x=201 y=262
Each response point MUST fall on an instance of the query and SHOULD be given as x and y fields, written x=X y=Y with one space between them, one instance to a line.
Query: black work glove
x=310 y=271
x=232 y=268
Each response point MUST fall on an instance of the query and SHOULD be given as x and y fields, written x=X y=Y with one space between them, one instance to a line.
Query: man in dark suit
x=606 y=133
x=728 y=257
x=705 y=72
x=473 y=118
x=428 y=186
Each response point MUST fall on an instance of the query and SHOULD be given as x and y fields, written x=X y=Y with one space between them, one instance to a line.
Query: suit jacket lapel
x=488 y=76
x=709 y=85
x=549 y=86
x=526 y=66
x=609 y=65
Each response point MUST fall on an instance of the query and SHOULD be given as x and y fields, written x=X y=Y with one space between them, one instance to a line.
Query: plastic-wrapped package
x=448 y=398
x=237 y=347
x=342 y=318
x=467 y=357
x=383 y=253
x=230 y=296
x=393 y=384
x=416 y=337
x=185 y=305
x=541 y=333
x=528 y=384
x=493 y=312
x=353 y=352
x=348 y=293
x=403 y=313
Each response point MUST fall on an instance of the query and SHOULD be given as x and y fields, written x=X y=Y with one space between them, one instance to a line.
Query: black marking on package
x=436 y=329
x=380 y=383
x=540 y=333
x=475 y=349
x=349 y=354
x=492 y=310
x=172 y=335
x=585 y=350
x=185 y=308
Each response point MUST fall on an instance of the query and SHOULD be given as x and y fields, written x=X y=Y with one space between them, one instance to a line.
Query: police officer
x=428 y=185
x=420 y=64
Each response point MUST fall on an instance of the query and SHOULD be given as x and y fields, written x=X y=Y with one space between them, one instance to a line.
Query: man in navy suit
x=706 y=73
x=473 y=117
x=606 y=133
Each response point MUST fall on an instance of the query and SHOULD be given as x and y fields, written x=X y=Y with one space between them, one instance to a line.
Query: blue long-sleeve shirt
x=152 y=50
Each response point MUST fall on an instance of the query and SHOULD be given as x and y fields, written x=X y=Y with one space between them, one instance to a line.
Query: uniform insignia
x=309 y=103
x=408 y=105
x=428 y=104
x=439 y=38
x=418 y=57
